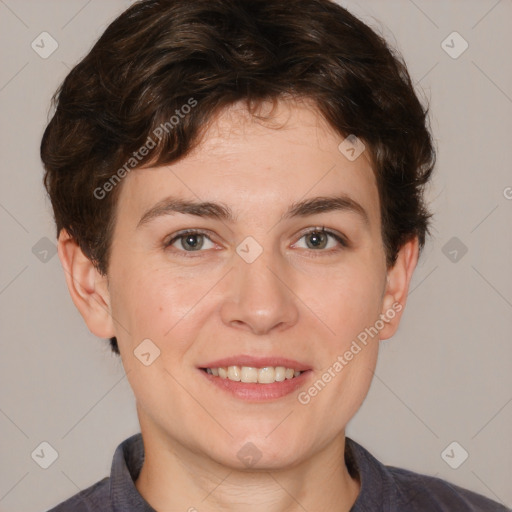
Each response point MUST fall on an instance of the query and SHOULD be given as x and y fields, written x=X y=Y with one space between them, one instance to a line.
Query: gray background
x=445 y=376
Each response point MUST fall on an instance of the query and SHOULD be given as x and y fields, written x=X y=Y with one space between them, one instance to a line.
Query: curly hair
x=159 y=54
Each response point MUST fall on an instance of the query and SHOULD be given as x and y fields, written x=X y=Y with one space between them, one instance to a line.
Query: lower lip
x=258 y=392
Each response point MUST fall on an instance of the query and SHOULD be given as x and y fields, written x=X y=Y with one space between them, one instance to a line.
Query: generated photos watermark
x=305 y=397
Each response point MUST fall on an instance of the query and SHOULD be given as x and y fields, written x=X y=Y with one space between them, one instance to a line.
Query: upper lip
x=256 y=362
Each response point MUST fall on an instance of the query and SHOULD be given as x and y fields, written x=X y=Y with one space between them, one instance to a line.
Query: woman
x=238 y=193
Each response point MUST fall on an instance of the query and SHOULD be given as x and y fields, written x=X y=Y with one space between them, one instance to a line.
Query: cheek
x=152 y=300
x=346 y=300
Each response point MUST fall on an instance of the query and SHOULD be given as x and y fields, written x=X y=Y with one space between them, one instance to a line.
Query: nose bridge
x=262 y=273
x=260 y=299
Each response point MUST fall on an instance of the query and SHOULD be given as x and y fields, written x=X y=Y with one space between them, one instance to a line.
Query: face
x=262 y=287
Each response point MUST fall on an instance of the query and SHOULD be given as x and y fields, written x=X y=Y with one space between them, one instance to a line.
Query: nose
x=260 y=298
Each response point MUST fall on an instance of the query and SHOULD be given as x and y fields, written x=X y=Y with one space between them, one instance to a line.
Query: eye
x=318 y=238
x=191 y=240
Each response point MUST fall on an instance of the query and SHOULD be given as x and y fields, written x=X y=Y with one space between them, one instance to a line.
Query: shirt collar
x=126 y=466
x=375 y=483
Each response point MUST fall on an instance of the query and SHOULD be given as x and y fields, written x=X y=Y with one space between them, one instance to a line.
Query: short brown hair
x=159 y=54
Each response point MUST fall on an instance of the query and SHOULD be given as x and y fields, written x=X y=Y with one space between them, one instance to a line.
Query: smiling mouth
x=250 y=374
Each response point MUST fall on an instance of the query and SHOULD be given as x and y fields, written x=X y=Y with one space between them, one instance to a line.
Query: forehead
x=256 y=165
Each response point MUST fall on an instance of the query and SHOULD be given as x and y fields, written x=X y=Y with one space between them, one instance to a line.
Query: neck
x=174 y=478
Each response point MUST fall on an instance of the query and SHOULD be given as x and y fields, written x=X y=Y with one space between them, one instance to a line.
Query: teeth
x=280 y=373
x=234 y=373
x=266 y=375
x=248 y=374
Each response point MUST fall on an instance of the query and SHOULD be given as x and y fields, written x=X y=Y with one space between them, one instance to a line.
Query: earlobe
x=87 y=287
x=397 y=287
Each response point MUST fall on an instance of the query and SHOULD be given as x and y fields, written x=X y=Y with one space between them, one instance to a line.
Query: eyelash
x=189 y=254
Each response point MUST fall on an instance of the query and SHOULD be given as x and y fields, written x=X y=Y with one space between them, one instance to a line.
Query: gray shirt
x=383 y=488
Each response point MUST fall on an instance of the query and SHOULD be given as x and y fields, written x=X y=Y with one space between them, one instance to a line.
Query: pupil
x=191 y=240
x=317 y=236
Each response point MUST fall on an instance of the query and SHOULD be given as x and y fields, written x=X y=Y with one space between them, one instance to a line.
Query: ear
x=397 y=287
x=87 y=286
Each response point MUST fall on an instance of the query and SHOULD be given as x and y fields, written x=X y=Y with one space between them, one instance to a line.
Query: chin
x=260 y=453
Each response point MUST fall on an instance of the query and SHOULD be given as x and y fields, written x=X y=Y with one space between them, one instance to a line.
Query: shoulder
x=95 y=498
x=389 y=488
x=423 y=492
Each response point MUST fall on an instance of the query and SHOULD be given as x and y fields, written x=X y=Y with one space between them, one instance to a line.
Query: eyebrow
x=311 y=206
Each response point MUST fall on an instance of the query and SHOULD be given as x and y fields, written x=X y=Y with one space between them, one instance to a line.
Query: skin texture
x=214 y=304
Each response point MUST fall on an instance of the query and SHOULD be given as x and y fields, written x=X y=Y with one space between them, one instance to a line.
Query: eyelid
x=193 y=231
x=184 y=232
x=342 y=239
